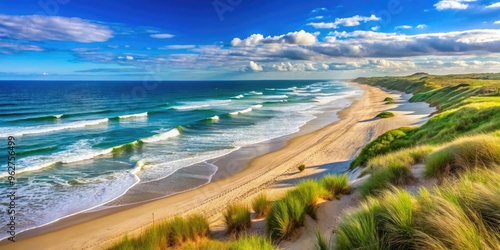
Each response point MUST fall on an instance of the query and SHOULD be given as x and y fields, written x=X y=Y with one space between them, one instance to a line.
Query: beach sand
x=327 y=150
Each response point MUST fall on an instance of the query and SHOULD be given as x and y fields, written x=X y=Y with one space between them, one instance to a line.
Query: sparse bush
x=261 y=205
x=237 y=218
x=385 y=114
x=302 y=167
x=388 y=99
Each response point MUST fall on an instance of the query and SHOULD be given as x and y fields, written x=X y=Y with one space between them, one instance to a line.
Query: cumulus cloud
x=39 y=28
x=493 y=5
x=374 y=44
x=162 y=36
x=348 y=22
x=253 y=66
x=298 y=37
x=421 y=26
x=452 y=4
x=496 y=22
x=130 y=58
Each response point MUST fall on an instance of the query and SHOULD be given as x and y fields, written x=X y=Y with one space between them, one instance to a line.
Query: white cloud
x=319 y=10
x=130 y=58
x=496 y=22
x=19 y=47
x=348 y=22
x=162 y=36
x=421 y=26
x=494 y=5
x=184 y=46
x=452 y=4
x=375 y=28
x=40 y=28
x=255 y=67
x=403 y=27
x=298 y=37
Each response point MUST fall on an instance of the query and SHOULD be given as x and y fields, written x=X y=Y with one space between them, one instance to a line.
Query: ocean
x=81 y=144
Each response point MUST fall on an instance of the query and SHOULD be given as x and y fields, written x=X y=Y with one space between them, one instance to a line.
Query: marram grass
x=171 y=233
x=459 y=214
x=261 y=205
x=335 y=185
x=237 y=218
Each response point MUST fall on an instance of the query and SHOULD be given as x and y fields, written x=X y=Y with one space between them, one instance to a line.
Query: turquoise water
x=82 y=144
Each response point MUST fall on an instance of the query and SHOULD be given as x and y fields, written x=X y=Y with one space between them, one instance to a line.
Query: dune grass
x=335 y=185
x=460 y=214
x=237 y=218
x=288 y=213
x=261 y=205
x=387 y=99
x=467 y=105
x=245 y=242
x=170 y=233
x=384 y=178
x=463 y=154
x=321 y=243
x=385 y=114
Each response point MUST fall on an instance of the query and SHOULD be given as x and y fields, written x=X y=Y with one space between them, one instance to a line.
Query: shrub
x=463 y=154
x=261 y=205
x=237 y=218
x=388 y=99
x=385 y=114
x=335 y=185
x=302 y=167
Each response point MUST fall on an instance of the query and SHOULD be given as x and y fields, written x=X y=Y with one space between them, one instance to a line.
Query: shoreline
x=236 y=183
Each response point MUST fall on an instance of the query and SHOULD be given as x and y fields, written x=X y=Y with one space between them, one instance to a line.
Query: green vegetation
x=261 y=205
x=460 y=214
x=336 y=185
x=460 y=145
x=388 y=99
x=248 y=242
x=467 y=105
x=237 y=218
x=302 y=167
x=385 y=114
x=288 y=213
x=321 y=243
x=463 y=154
x=170 y=233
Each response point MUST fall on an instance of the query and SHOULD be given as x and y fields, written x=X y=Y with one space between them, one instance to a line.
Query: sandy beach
x=327 y=150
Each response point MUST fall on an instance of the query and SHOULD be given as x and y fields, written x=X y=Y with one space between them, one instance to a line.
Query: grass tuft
x=171 y=233
x=237 y=218
x=261 y=205
x=335 y=185
x=384 y=178
x=385 y=114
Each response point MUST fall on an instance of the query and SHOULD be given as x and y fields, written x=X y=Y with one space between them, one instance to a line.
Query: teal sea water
x=82 y=144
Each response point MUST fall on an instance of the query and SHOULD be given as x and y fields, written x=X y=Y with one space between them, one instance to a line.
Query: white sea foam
x=21 y=131
x=58 y=116
x=202 y=104
x=214 y=118
x=255 y=93
x=163 y=136
x=241 y=111
x=145 y=114
x=239 y=96
x=257 y=106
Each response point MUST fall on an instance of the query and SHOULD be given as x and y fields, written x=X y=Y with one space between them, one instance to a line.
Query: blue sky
x=243 y=39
